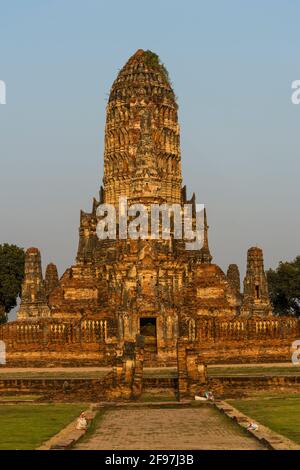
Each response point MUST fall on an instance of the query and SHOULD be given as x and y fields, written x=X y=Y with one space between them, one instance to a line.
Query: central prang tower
x=142 y=159
x=142 y=148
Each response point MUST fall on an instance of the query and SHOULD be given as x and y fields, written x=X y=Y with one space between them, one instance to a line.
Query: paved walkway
x=167 y=429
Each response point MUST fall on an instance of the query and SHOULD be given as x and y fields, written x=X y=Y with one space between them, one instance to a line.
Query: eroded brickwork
x=256 y=299
x=118 y=289
x=34 y=299
x=233 y=276
x=51 y=279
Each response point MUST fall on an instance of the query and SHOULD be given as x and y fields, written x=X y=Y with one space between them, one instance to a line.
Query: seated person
x=253 y=427
x=209 y=395
x=82 y=422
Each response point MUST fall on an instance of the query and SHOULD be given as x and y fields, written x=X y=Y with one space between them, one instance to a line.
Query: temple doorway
x=148 y=330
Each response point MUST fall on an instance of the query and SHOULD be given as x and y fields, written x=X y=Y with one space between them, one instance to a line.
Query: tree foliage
x=12 y=260
x=284 y=287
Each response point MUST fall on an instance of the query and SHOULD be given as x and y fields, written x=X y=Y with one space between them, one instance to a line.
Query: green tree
x=284 y=287
x=12 y=260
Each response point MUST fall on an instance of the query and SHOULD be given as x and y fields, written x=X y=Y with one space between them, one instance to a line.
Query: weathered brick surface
x=34 y=300
x=256 y=299
x=116 y=286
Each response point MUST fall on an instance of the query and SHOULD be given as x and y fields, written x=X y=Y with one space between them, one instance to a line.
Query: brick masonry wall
x=92 y=342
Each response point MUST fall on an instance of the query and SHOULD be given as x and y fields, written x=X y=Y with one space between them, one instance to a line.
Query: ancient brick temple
x=120 y=288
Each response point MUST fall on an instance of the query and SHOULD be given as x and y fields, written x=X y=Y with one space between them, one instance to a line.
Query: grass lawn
x=19 y=397
x=25 y=427
x=279 y=413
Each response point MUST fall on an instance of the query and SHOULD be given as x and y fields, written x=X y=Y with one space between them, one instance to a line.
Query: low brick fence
x=60 y=389
x=95 y=389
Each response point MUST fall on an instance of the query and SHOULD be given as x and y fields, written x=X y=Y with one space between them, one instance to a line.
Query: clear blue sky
x=231 y=64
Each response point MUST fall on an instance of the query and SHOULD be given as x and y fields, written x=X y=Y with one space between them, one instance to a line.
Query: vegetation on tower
x=153 y=61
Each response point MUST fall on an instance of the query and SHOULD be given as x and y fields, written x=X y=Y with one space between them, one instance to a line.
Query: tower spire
x=206 y=227
x=205 y=255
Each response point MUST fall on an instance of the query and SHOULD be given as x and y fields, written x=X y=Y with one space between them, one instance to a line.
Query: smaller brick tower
x=233 y=276
x=51 y=279
x=256 y=299
x=34 y=300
